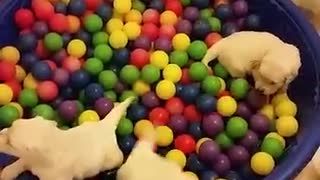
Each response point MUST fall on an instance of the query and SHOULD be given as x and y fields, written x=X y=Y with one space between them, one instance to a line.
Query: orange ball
x=212 y=38
x=71 y=64
x=47 y=90
x=74 y=23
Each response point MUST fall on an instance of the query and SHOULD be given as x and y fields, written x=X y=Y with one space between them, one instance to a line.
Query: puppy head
x=277 y=69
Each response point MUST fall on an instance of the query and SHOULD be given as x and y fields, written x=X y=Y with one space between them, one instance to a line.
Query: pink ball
x=47 y=90
x=151 y=16
x=167 y=31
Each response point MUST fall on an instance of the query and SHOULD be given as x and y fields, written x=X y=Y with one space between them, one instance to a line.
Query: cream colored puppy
x=272 y=62
x=54 y=154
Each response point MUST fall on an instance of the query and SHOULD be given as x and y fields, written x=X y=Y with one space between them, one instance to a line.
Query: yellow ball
x=277 y=136
x=268 y=110
x=200 y=141
x=159 y=58
x=141 y=88
x=20 y=73
x=164 y=136
x=88 y=116
x=172 y=72
x=262 y=163
x=134 y=16
x=116 y=14
x=30 y=82
x=114 y=24
x=278 y=98
x=181 y=42
x=10 y=54
x=165 y=89
x=142 y=128
x=6 y=94
x=223 y=84
x=168 y=18
x=132 y=30
x=118 y=39
x=190 y=175
x=286 y=108
x=18 y=107
x=77 y=48
x=177 y=156
x=287 y=126
x=226 y=106
x=122 y=6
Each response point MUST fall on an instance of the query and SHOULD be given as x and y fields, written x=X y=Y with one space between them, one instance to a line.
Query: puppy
x=273 y=63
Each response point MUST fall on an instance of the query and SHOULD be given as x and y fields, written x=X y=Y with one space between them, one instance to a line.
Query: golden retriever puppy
x=272 y=63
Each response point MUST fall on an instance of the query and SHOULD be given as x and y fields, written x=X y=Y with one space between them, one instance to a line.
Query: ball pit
x=73 y=59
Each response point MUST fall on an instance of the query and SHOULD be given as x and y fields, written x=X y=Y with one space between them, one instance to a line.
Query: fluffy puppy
x=272 y=63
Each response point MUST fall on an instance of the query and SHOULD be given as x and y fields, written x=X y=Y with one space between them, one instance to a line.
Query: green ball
x=221 y=71
x=129 y=74
x=93 y=23
x=215 y=24
x=8 y=114
x=111 y=95
x=223 y=140
x=272 y=146
x=44 y=111
x=100 y=38
x=125 y=127
x=150 y=74
x=138 y=5
x=185 y=2
x=80 y=106
x=239 y=88
x=198 y=71
x=197 y=50
x=126 y=94
x=53 y=42
x=206 y=13
x=28 y=98
x=93 y=66
x=211 y=85
x=179 y=57
x=82 y=97
x=237 y=127
x=103 y=52
x=108 y=79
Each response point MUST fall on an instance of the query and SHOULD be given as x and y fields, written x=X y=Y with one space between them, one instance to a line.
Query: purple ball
x=222 y=164
x=240 y=8
x=238 y=155
x=142 y=42
x=103 y=106
x=178 y=124
x=59 y=56
x=61 y=77
x=40 y=28
x=208 y=151
x=243 y=110
x=212 y=124
x=163 y=44
x=150 y=100
x=240 y=23
x=68 y=110
x=259 y=123
x=184 y=26
x=120 y=87
x=191 y=13
x=250 y=140
x=256 y=99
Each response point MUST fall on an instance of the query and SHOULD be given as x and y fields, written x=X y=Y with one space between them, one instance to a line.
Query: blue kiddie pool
x=285 y=20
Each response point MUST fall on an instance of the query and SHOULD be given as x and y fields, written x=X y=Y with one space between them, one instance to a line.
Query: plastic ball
x=224 y=11
x=111 y=95
x=262 y=163
x=30 y=82
x=76 y=48
x=177 y=156
x=139 y=58
x=286 y=108
x=71 y=64
x=224 y=140
x=93 y=92
x=15 y=87
x=268 y=110
x=60 y=7
x=47 y=90
x=127 y=143
x=40 y=28
x=53 y=42
x=150 y=30
x=10 y=54
x=199 y=143
x=191 y=13
x=244 y=110
x=122 y=6
x=68 y=111
x=129 y=74
x=6 y=94
x=208 y=151
x=137 y=112
x=287 y=126
x=133 y=16
x=240 y=8
x=151 y=16
x=201 y=4
x=104 y=11
x=174 y=6
x=27 y=42
x=103 y=52
x=79 y=79
x=43 y=10
x=212 y=38
x=140 y=87
x=211 y=85
x=189 y=93
x=167 y=31
x=28 y=98
x=181 y=42
x=165 y=89
x=259 y=123
x=20 y=73
x=275 y=135
x=125 y=127
x=164 y=136
x=8 y=114
x=194 y=164
x=58 y=23
x=132 y=30
x=118 y=39
x=121 y=57
x=201 y=28
x=272 y=146
x=164 y=44
x=158 y=5
x=88 y=116
x=142 y=42
x=206 y=103
x=183 y=26
x=159 y=116
x=24 y=18
x=238 y=155
x=179 y=58
x=253 y=22
x=114 y=24
x=45 y=111
x=185 y=143
x=250 y=140
x=103 y=106
x=198 y=71
x=276 y=99
x=93 y=66
x=212 y=124
x=256 y=99
x=168 y=18
x=236 y=127
x=142 y=127
x=174 y=105
x=8 y=71
x=178 y=124
x=239 y=88
x=76 y=7
x=226 y=106
x=159 y=58
x=197 y=50
x=192 y=114
x=195 y=130
x=222 y=164
x=42 y=71
x=150 y=100
x=172 y=72
x=206 y=13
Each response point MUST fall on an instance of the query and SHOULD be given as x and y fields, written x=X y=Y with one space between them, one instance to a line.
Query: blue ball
x=158 y=5
x=93 y=92
x=137 y=112
x=60 y=7
x=208 y=175
x=28 y=60
x=201 y=4
x=206 y=103
x=229 y=28
x=84 y=36
x=190 y=93
x=56 y=102
x=126 y=144
x=224 y=12
x=194 y=164
x=79 y=79
x=6 y=160
x=41 y=71
x=27 y=42
x=179 y=88
x=68 y=93
x=252 y=22
x=66 y=38
x=40 y=28
x=77 y=7
x=104 y=11
x=121 y=57
x=201 y=29
x=195 y=130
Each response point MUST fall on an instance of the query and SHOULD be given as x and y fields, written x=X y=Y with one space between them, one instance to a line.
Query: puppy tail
x=211 y=54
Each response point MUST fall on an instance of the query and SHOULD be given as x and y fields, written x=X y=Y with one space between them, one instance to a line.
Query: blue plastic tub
x=284 y=19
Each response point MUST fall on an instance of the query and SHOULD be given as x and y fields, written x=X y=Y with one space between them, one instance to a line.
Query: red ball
x=43 y=10
x=159 y=116
x=92 y=4
x=212 y=38
x=185 y=78
x=175 y=6
x=47 y=90
x=71 y=64
x=41 y=51
x=174 y=106
x=139 y=58
x=24 y=18
x=15 y=87
x=59 y=23
x=7 y=71
x=224 y=93
x=151 y=16
x=167 y=31
x=191 y=113
x=150 y=30
x=185 y=143
x=52 y=65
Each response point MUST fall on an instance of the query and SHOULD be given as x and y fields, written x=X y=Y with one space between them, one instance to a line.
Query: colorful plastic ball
x=240 y=8
x=47 y=90
x=256 y=99
x=177 y=156
x=125 y=127
x=174 y=105
x=211 y=85
x=93 y=92
x=164 y=44
x=275 y=135
x=252 y=22
x=185 y=143
x=92 y=4
x=150 y=100
x=181 y=42
x=28 y=98
x=168 y=18
x=239 y=88
x=76 y=48
x=206 y=13
x=201 y=28
x=103 y=52
x=212 y=124
x=200 y=142
x=122 y=6
x=159 y=116
x=8 y=114
x=277 y=98
x=43 y=10
x=201 y=4
x=121 y=57
x=71 y=64
x=191 y=13
x=224 y=11
x=238 y=155
x=224 y=140
x=151 y=16
x=127 y=143
x=167 y=31
x=40 y=28
x=226 y=106
x=137 y=112
x=10 y=54
x=60 y=7
x=45 y=111
x=30 y=82
x=53 y=42
x=190 y=175
x=172 y=72
x=27 y=42
x=206 y=103
x=175 y=6
x=159 y=58
x=142 y=42
x=287 y=126
x=198 y=71
x=209 y=175
x=197 y=50
x=165 y=89
x=88 y=116
x=236 y=127
x=244 y=110
x=262 y=163
x=192 y=114
x=268 y=110
x=8 y=71
x=120 y=87
x=150 y=30
x=194 y=164
x=15 y=87
x=208 y=151
x=133 y=16
x=111 y=95
x=6 y=94
x=103 y=106
x=229 y=28
x=42 y=71
x=142 y=127
x=189 y=93
x=132 y=30
x=259 y=123
x=195 y=130
x=179 y=58
x=286 y=108
x=250 y=140
x=129 y=74
x=114 y=24
x=272 y=146
x=58 y=23
x=157 y=5
x=164 y=136
x=79 y=79
x=212 y=38
x=118 y=39
x=68 y=111
x=24 y=18
x=93 y=66
x=222 y=164
x=178 y=124
x=139 y=58
x=140 y=87
x=76 y=7
x=183 y=26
